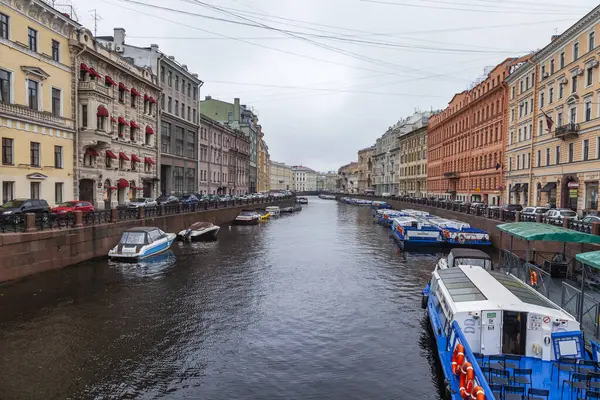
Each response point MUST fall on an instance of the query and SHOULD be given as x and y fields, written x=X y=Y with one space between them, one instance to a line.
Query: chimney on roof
x=184 y=67
x=236 y=109
x=554 y=37
x=208 y=98
x=172 y=58
x=154 y=48
x=119 y=36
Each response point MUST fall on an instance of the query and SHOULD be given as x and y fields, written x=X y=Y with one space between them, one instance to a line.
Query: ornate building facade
x=117 y=118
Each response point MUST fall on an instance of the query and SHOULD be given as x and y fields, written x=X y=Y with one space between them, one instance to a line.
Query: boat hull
x=404 y=241
x=199 y=235
x=253 y=221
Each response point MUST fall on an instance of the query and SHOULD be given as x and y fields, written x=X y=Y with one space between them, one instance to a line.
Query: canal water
x=315 y=305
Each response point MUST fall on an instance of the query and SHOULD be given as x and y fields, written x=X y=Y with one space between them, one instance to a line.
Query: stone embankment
x=30 y=250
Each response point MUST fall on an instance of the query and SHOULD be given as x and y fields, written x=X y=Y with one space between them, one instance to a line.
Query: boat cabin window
x=155 y=235
x=460 y=286
x=522 y=291
x=133 y=238
x=248 y=213
x=477 y=262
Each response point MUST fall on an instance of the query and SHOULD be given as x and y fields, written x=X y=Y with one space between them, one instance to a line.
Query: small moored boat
x=140 y=243
x=247 y=217
x=287 y=210
x=302 y=200
x=265 y=215
x=273 y=210
x=297 y=207
x=385 y=217
x=415 y=231
x=199 y=231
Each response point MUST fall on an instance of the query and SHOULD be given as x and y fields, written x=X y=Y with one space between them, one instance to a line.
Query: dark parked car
x=166 y=200
x=19 y=207
x=189 y=199
x=511 y=207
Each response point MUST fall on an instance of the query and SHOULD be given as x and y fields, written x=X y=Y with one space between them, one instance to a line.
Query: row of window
x=591 y=41
x=182 y=146
x=191 y=114
x=32 y=37
x=490 y=183
x=216 y=176
x=90 y=160
x=192 y=90
x=35 y=191
x=35 y=160
x=34 y=99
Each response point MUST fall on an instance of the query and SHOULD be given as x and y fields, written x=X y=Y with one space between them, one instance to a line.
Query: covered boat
x=302 y=200
x=273 y=210
x=385 y=217
x=458 y=233
x=247 y=217
x=140 y=243
x=327 y=196
x=297 y=207
x=199 y=231
x=496 y=335
x=287 y=210
x=415 y=231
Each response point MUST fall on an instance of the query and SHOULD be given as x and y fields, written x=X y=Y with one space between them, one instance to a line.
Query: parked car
x=511 y=207
x=386 y=195
x=166 y=200
x=189 y=199
x=534 y=210
x=68 y=207
x=142 y=202
x=561 y=213
x=477 y=205
x=591 y=219
x=19 y=207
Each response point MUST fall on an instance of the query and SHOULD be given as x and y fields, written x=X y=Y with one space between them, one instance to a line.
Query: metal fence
x=570 y=301
x=580 y=226
x=96 y=217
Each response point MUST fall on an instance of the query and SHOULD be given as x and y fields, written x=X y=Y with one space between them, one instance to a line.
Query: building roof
x=475 y=289
x=302 y=168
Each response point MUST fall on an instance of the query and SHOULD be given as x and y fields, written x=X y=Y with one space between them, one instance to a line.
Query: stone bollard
x=501 y=215
x=78 y=219
x=161 y=210
x=30 y=222
x=539 y=218
x=205 y=205
x=595 y=228
x=565 y=223
x=114 y=215
x=141 y=212
x=179 y=208
x=517 y=216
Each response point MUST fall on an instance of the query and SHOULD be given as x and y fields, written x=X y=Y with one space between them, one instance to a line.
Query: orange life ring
x=446 y=233
x=458 y=358
x=478 y=393
x=533 y=278
x=469 y=373
x=463 y=390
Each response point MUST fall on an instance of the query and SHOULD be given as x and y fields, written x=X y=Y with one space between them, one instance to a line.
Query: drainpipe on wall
x=198 y=140
x=157 y=191
x=76 y=105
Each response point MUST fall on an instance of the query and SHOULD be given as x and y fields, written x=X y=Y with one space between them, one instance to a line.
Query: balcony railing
x=566 y=131
x=27 y=113
x=93 y=86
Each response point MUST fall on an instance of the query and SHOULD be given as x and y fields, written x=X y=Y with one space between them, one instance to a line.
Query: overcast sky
x=327 y=77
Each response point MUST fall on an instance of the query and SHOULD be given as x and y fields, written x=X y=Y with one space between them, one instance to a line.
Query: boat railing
x=570 y=302
x=529 y=273
x=457 y=336
x=595 y=350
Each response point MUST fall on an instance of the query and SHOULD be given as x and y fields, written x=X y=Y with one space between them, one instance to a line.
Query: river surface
x=315 y=305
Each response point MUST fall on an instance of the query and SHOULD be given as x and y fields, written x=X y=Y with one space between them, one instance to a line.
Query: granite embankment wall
x=500 y=241
x=28 y=253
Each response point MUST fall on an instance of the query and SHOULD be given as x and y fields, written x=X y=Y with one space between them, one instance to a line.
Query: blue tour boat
x=497 y=336
x=410 y=230
x=385 y=217
x=142 y=242
x=457 y=233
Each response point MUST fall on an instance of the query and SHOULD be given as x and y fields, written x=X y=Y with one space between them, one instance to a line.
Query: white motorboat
x=199 y=231
x=140 y=243
x=248 y=217
x=273 y=210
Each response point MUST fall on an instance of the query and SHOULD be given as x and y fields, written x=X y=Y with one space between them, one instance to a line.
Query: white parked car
x=142 y=202
x=386 y=195
x=534 y=210
x=561 y=213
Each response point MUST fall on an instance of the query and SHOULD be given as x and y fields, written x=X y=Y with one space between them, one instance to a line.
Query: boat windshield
x=133 y=238
x=477 y=262
x=248 y=213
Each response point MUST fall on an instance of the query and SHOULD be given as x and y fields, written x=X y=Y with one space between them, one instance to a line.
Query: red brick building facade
x=466 y=142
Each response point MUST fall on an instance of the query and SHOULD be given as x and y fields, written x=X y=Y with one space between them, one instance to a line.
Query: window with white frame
x=5 y=86
x=588 y=110
x=591 y=41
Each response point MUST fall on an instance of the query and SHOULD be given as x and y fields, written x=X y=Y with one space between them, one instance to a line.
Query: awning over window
x=84 y=67
x=146 y=97
x=149 y=130
x=112 y=119
x=152 y=100
x=93 y=72
x=135 y=158
x=123 y=156
x=122 y=121
x=149 y=160
x=134 y=92
x=524 y=187
x=109 y=81
x=549 y=186
x=134 y=125
x=123 y=183
x=111 y=187
x=110 y=154
x=91 y=152
x=515 y=187
x=102 y=111
x=123 y=87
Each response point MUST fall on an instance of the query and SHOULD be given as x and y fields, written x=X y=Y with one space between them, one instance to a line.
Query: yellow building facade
x=566 y=155
x=263 y=167
x=36 y=117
